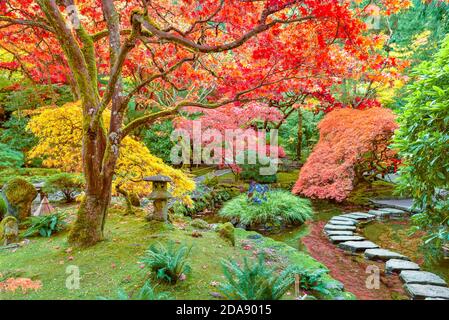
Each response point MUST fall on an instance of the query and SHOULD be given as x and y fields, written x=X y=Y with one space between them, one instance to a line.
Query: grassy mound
x=280 y=207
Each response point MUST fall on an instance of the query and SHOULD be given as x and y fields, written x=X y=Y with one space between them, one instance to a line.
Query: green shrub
x=254 y=282
x=208 y=200
x=251 y=172
x=10 y=158
x=157 y=139
x=69 y=184
x=147 y=292
x=279 y=207
x=32 y=175
x=46 y=225
x=15 y=134
x=168 y=263
x=423 y=142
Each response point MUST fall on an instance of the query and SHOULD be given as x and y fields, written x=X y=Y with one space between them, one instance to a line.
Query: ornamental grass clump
x=272 y=207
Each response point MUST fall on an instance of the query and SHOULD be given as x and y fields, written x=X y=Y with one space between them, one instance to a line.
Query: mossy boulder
x=199 y=224
x=3 y=207
x=19 y=195
x=226 y=231
x=9 y=231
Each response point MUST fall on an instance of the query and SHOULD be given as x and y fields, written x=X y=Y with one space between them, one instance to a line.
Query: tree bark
x=87 y=229
x=89 y=225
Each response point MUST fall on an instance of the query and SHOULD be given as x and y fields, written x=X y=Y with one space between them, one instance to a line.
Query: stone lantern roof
x=158 y=178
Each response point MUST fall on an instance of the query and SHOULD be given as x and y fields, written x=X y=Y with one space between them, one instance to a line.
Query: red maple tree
x=353 y=144
x=111 y=52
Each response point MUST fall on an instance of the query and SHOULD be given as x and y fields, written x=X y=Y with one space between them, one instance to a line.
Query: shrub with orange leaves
x=354 y=144
x=24 y=284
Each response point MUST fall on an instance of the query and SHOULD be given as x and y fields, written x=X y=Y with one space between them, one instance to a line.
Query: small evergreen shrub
x=46 y=225
x=254 y=281
x=168 y=262
x=279 y=207
x=67 y=183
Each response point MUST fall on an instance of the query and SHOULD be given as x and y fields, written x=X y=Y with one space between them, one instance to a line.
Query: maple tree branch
x=32 y=23
x=73 y=52
x=147 y=81
x=103 y=34
x=116 y=68
x=22 y=65
x=184 y=41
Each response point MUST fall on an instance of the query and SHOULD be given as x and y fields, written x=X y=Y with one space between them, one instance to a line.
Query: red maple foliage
x=115 y=52
x=353 y=144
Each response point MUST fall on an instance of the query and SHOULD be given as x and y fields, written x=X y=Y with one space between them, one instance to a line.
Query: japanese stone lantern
x=160 y=196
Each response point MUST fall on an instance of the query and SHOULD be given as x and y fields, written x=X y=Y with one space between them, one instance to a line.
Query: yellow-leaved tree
x=59 y=130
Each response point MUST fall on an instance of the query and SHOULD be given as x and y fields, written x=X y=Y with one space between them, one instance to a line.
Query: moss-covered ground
x=115 y=262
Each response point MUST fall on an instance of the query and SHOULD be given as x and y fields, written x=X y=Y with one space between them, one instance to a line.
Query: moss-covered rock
x=9 y=231
x=19 y=194
x=3 y=207
x=226 y=231
x=199 y=224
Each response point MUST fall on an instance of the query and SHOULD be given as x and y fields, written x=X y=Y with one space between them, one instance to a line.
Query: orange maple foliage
x=24 y=284
x=353 y=143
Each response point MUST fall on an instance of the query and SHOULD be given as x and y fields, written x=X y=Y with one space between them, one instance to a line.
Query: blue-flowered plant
x=257 y=193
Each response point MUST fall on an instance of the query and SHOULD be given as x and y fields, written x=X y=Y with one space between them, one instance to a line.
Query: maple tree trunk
x=299 y=145
x=98 y=171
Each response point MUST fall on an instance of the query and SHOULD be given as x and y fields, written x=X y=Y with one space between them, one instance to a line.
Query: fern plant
x=254 y=282
x=147 y=292
x=45 y=225
x=168 y=262
x=312 y=280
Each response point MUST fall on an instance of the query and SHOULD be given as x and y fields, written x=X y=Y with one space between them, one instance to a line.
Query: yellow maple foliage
x=59 y=130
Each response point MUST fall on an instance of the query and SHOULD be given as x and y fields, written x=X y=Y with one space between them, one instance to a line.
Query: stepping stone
x=338 y=239
x=379 y=213
x=342 y=223
x=393 y=211
x=421 y=277
x=382 y=254
x=357 y=246
x=396 y=265
x=359 y=215
x=338 y=233
x=340 y=218
x=421 y=291
x=339 y=228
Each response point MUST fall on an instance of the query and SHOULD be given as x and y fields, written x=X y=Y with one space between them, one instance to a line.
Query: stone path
x=341 y=231
x=401 y=204
x=216 y=173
